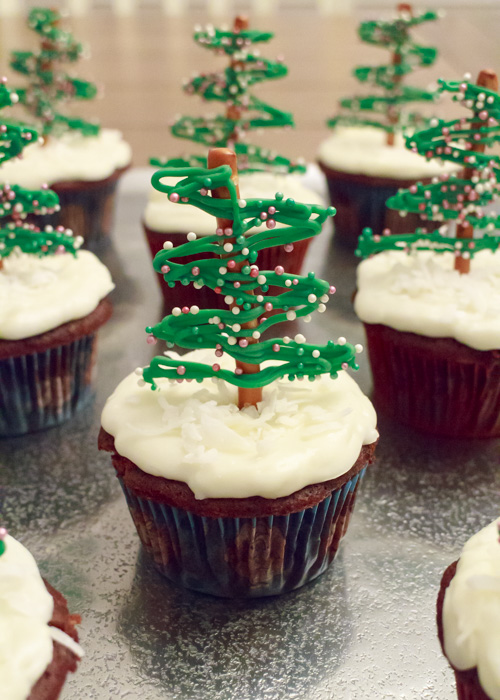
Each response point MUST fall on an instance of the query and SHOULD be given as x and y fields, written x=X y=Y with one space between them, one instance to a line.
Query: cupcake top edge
x=471 y=610
x=363 y=150
x=26 y=609
x=422 y=293
x=301 y=433
x=39 y=294
x=69 y=157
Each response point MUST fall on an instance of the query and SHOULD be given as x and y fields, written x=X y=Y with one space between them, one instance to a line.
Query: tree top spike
x=488 y=78
x=223 y=156
x=241 y=22
x=405 y=7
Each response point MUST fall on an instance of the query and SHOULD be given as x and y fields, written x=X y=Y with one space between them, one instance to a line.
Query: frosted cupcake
x=241 y=482
x=365 y=160
x=38 y=637
x=468 y=616
x=80 y=161
x=51 y=307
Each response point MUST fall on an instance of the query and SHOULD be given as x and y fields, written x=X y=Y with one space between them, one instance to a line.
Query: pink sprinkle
x=386 y=232
x=288 y=247
x=263 y=216
x=174 y=197
x=203 y=192
x=231 y=264
x=237 y=285
x=263 y=319
x=276 y=347
x=181 y=369
x=185 y=309
x=243 y=342
x=344 y=365
x=254 y=271
x=279 y=270
x=195 y=270
x=271 y=223
x=184 y=199
x=238 y=370
x=228 y=231
x=151 y=340
x=272 y=210
x=483 y=114
x=218 y=353
x=332 y=289
x=268 y=306
x=215 y=367
x=221 y=326
x=413 y=189
x=165 y=269
x=219 y=231
x=295 y=281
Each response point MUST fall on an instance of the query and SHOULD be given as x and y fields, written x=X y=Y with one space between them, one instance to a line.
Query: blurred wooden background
x=141 y=60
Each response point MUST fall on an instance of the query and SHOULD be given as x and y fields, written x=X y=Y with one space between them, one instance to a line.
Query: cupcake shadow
x=431 y=487
x=200 y=647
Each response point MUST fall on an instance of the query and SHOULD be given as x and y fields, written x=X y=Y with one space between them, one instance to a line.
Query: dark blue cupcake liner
x=43 y=389
x=243 y=557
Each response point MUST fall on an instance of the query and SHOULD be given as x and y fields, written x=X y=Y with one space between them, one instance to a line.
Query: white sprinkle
x=299 y=338
x=176 y=311
x=321 y=308
x=256 y=335
x=167 y=245
x=231 y=340
x=261 y=279
x=242 y=203
x=222 y=270
x=228 y=247
x=341 y=340
x=138 y=371
x=228 y=300
x=195 y=309
x=358 y=347
x=315 y=353
x=291 y=315
x=235 y=310
x=312 y=298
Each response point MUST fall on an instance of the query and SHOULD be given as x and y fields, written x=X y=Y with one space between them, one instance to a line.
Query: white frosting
x=69 y=157
x=422 y=293
x=164 y=216
x=471 y=610
x=38 y=294
x=363 y=150
x=303 y=433
x=26 y=639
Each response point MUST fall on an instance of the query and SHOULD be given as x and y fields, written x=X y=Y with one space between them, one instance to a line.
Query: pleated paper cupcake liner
x=206 y=298
x=243 y=557
x=436 y=385
x=469 y=688
x=46 y=388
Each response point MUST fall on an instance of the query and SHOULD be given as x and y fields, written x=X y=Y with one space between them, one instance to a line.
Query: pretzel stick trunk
x=234 y=112
x=392 y=113
x=247 y=396
x=487 y=79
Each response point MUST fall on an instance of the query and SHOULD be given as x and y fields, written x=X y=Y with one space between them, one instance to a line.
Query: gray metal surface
x=364 y=631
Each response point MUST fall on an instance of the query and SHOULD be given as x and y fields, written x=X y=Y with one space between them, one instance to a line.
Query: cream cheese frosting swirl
x=471 y=610
x=302 y=433
x=39 y=294
x=422 y=293
x=26 y=638
x=164 y=216
x=363 y=150
x=70 y=157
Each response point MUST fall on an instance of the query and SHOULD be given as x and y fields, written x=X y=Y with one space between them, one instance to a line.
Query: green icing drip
x=49 y=86
x=385 y=107
x=27 y=238
x=252 y=231
x=231 y=87
x=452 y=197
x=371 y=244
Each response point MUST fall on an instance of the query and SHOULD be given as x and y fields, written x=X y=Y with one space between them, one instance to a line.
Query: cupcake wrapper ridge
x=243 y=557
x=435 y=385
x=45 y=388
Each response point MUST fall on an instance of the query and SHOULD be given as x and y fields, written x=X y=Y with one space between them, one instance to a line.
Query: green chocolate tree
x=48 y=84
x=454 y=197
x=244 y=112
x=384 y=110
x=244 y=227
x=18 y=202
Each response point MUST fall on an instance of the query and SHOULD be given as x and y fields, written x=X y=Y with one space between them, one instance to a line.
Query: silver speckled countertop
x=365 y=630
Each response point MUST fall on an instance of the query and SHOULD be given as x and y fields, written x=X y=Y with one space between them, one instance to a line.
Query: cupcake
x=38 y=637
x=240 y=483
x=78 y=159
x=468 y=616
x=429 y=301
x=50 y=310
x=164 y=221
x=365 y=161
